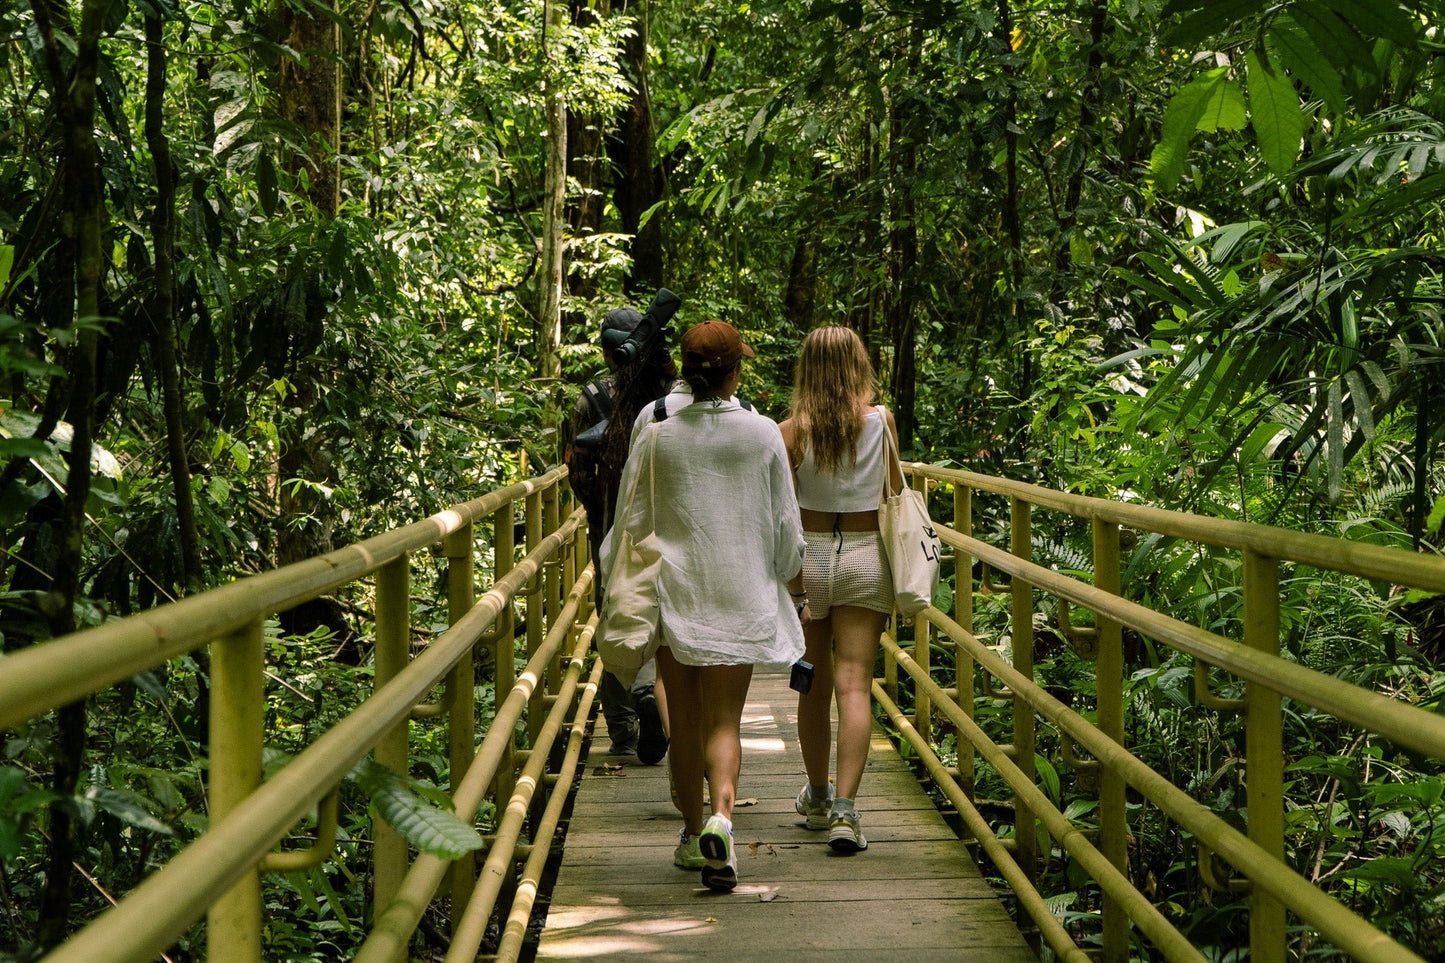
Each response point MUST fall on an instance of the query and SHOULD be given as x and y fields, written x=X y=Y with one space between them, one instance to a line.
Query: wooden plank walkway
x=915 y=893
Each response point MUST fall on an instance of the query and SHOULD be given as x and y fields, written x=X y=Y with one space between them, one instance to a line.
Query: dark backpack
x=600 y=399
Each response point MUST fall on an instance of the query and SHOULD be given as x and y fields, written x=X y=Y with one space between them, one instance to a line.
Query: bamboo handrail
x=58 y=672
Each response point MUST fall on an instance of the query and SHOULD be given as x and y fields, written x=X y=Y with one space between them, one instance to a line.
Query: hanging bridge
x=583 y=840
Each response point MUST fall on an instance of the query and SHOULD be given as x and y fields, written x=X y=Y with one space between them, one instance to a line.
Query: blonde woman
x=836 y=446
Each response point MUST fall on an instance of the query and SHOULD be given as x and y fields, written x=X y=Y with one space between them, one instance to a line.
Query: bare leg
x=855 y=638
x=724 y=690
x=660 y=692
x=686 y=748
x=815 y=724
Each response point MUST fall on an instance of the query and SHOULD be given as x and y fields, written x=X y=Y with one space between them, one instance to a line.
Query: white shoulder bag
x=627 y=629
x=909 y=538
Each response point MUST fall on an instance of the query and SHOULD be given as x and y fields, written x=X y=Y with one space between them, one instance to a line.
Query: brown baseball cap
x=713 y=344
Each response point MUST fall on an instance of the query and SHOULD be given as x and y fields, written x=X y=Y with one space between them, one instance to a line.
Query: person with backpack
x=595 y=446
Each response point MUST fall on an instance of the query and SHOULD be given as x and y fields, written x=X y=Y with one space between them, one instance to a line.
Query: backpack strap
x=747 y=405
x=659 y=409
x=599 y=397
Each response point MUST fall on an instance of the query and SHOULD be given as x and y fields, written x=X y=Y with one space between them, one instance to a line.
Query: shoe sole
x=815 y=821
x=714 y=848
x=724 y=879
x=843 y=841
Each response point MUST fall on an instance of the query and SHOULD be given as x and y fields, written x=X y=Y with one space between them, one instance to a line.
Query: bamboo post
x=963 y=615
x=1022 y=619
x=550 y=521
x=504 y=664
x=536 y=615
x=393 y=644
x=461 y=732
x=238 y=710
x=1109 y=687
x=1264 y=759
x=922 y=650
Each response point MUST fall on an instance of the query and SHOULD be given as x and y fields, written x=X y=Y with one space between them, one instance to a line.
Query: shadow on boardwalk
x=915 y=893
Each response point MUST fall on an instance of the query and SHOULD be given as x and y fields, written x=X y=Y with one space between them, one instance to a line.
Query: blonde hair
x=832 y=382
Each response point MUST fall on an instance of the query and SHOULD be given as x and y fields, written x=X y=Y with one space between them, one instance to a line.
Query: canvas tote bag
x=627 y=628
x=909 y=538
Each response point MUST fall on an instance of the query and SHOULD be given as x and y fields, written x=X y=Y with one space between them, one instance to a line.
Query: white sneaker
x=813 y=809
x=716 y=843
x=688 y=854
x=845 y=835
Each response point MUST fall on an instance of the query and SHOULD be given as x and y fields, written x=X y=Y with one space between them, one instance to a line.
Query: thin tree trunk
x=904 y=258
x=554 y=224
x=640 y=183
x=163 y=305
x=74 y=98
x=1003 y=32
x=310 y=96
x=1087 y=132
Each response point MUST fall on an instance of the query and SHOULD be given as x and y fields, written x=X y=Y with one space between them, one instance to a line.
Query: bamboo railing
x=218 y=875
x=1274 y=887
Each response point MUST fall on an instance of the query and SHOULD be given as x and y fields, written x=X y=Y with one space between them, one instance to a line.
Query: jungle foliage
x=278 y=277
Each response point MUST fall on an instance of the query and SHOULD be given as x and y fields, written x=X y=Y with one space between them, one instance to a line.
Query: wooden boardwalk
x=914 y=894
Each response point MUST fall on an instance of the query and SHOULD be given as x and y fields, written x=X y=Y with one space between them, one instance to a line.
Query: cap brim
x=747 y=351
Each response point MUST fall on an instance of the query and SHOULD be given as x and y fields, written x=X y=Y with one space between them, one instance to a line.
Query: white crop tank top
x=857 y=487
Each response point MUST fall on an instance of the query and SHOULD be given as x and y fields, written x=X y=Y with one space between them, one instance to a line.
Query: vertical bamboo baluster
x=461 y=733
x=1264 y=759
x=923 y=650
x=1022 y=621
x=963 y=615
x=536 y=615
x=1109 y=686
x=550 y=521
x=238 y=710
x=504 y=664
x=393 y=643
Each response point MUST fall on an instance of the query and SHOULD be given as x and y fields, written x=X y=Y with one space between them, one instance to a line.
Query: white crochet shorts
x=846 y=568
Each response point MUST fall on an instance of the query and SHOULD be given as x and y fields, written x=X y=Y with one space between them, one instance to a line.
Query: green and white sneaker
x=688 y=854
x=814 y=809
x=844 y=833
x=720 y=870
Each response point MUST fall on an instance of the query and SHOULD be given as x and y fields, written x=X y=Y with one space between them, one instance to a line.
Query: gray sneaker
x=844 y=833
x=813 y=809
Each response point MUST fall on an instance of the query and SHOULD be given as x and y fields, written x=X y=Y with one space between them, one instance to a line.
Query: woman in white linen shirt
x=728 y=526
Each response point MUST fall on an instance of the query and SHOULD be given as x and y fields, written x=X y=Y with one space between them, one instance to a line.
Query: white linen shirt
x=728 y=525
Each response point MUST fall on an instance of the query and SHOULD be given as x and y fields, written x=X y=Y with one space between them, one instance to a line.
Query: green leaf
x=1279 y=124
x=1210 y=17
x=1303 y=59
x=434 y=831
x=1337 y=40
x=1048 y=777
x=1224 y=109
x=1181 y=118
x=1379 y=18
x=126 y=806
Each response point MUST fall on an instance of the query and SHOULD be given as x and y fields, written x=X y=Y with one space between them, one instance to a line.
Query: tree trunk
x=554 y=224
x=802 y=289
x=74 y=98
x=1003 y=32
x=311 y=99
x=903 y=259
x=639 y=180
x=1087 y=132
x=163 y=305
